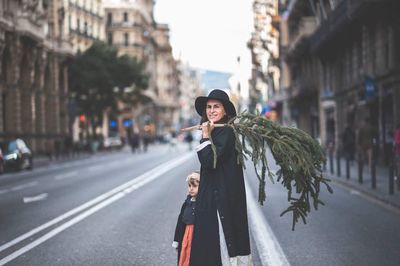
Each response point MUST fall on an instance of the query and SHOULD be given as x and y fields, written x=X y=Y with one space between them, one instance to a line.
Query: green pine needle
x=299 y=156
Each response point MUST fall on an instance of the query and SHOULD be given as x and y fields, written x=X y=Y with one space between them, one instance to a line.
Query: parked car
x=17 y=155
x=112 y=142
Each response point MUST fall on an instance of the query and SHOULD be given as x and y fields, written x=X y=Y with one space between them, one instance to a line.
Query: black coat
x=220 y=189
x=180 y=227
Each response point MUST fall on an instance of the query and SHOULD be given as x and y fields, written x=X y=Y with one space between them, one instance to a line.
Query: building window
x=110 y=38
x=126 y=39
x=109 y=19
x=85 y=28
x=78 y=25
x=69 y=21
x=125 y=17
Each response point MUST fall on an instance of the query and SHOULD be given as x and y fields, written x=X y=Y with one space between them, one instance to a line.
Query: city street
x=121 y=208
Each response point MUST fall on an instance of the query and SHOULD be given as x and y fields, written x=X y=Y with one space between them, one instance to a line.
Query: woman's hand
x=206 y=128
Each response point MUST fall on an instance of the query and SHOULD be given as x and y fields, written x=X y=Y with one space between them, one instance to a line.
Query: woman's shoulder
x=224 y=130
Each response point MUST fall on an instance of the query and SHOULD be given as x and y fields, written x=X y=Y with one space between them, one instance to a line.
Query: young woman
x=221 y=235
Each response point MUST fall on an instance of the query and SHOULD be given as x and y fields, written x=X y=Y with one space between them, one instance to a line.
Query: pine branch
x=299 y=156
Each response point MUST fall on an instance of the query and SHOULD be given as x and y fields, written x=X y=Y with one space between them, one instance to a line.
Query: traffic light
x=82 y=118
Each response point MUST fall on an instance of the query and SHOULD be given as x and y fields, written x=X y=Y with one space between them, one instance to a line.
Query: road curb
x=365 y=192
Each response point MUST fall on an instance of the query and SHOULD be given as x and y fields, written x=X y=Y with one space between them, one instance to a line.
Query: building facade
x=83 y=23
x=190 y=89
x=33 y=72
x=168 y=82
x=343 y=60
x=264 y=47
x=130 y=26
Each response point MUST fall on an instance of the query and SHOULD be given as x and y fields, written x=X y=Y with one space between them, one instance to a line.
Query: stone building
x=264 y=46
x=33 y=72
x=190 y=89
x=83 y=23
x=130 y=26
x=300 y=70
x=344 y=59
x=168 y=81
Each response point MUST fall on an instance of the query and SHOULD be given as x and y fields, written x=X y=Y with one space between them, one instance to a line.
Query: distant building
x=168 y=81
x=33 y=72
x=190 y=89
x=130 y=26
x=264 y=47
x=211 y=79
x=83 y=22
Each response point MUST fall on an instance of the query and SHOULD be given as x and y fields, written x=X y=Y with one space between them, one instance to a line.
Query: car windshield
x=12 y=146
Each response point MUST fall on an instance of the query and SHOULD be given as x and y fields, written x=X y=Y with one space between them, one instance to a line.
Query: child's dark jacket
x=180 y=225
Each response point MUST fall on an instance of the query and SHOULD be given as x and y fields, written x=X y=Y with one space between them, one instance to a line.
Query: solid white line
x=104 y=200
x=59 y=229
x=268 y=247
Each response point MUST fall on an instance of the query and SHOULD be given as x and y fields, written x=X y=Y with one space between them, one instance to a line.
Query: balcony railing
x=307 y=26
x=344 y=13
x=87 y=11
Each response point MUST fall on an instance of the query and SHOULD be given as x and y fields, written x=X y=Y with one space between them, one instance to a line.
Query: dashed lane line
x=89 y=208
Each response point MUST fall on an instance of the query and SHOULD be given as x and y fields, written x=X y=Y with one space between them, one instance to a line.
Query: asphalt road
x=121 y=209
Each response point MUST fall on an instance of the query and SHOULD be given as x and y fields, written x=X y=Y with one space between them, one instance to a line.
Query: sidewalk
x=380 y=193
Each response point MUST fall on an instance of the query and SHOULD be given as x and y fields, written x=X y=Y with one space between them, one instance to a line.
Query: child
x=184 y=227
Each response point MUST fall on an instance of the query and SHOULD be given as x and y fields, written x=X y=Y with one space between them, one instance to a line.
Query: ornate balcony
x=345 y=13
x=306 y=27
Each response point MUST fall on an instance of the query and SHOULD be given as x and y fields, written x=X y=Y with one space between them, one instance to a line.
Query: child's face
x=193 y=189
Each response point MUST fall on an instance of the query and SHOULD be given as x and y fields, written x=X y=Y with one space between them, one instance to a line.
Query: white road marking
x=99 y=203
x=354 y=192
x=66 y=175
x=268 y=247
x=39 y=197
x=20 y=187
x=4 y=191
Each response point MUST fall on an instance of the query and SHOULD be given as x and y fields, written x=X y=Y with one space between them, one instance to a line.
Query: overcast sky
x=209 y=34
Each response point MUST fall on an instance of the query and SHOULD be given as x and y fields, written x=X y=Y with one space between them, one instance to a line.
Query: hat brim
x=201 y=101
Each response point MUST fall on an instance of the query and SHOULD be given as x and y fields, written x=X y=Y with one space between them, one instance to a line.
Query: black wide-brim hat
x=220 y=95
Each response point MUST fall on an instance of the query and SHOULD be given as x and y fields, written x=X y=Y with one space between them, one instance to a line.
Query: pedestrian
x=146 y=141
x=173 y=142
x=221 y=235
x=189 y=139
x=366 y=142
x=134 y=140
x=348 y=142
x=185 y=225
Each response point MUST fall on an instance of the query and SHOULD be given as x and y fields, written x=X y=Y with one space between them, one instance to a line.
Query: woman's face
x=215 y=110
